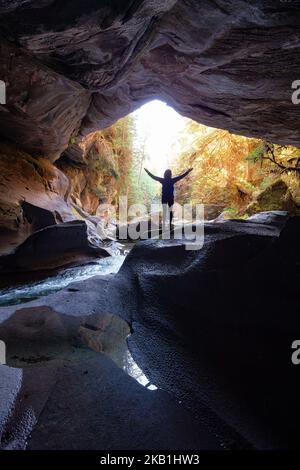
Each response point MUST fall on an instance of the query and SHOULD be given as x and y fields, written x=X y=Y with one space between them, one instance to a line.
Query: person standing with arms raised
x=167 y=195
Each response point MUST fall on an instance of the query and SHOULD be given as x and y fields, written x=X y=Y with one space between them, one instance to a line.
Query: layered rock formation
x=72 y=68
x=36 y=193
x=33 y=194
x=43 y=223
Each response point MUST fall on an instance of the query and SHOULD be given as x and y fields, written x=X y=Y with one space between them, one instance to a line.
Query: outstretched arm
x=179 y=177
x=156 y=178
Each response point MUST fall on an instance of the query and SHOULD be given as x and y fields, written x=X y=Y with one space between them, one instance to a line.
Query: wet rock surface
x=208 y=327
x=81 y=66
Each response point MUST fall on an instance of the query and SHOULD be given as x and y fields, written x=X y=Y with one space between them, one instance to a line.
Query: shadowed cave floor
x=207 y=327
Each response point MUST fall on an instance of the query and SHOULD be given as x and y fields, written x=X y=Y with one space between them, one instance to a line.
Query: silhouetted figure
x=167 y=195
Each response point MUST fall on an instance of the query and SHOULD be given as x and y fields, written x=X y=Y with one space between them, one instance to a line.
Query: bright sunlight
x=157 y=129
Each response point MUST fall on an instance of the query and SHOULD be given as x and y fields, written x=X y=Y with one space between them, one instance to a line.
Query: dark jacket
x=167 y=195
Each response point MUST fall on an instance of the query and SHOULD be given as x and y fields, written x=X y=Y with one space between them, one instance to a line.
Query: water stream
x=34 y=289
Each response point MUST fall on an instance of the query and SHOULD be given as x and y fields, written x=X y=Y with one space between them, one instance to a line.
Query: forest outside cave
x=233 y=175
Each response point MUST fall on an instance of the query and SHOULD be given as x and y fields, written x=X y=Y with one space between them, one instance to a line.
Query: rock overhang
x=86 y=64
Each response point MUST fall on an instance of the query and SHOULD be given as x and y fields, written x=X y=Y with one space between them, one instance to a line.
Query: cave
x=155 y=346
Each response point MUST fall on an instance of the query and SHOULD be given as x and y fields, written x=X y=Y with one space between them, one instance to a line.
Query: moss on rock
x=276 y=196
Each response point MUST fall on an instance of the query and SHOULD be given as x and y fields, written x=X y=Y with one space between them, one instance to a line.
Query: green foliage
x=229 y=170
x=256 y=153
x=232 y=170
x=99 y=191
x=114 y=173
x=233 y=213
x=142 y=188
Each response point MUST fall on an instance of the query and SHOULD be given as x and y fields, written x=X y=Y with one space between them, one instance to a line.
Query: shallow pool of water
x=33 y=290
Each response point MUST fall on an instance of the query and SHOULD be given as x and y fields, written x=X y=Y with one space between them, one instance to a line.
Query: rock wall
x=36 y=181
x=95 y=177
x=43 y=108
x=35 y=194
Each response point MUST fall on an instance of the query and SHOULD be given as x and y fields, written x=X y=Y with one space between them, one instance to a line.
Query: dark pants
x=167 y=203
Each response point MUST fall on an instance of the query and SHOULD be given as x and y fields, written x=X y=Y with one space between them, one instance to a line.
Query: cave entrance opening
x=233 y=175
x=157 y=129
x=148 y=138
x=157 y=133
